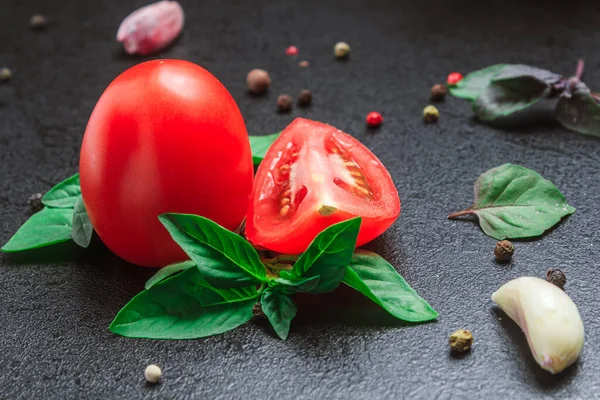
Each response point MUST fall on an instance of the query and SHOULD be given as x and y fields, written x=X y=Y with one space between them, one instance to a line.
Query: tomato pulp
x=165 y=136
x=313 y=176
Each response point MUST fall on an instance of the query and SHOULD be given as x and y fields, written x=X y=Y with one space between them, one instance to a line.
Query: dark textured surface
x=54 y=341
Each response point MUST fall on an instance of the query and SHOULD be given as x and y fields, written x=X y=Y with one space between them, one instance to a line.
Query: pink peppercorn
x=291 y=51
x=454 y=78
x=374 y=119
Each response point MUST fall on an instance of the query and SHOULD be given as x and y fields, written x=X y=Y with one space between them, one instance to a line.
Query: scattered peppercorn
x=431 y=114
x=291 y=51
x=556 y=277
x=374 y=119
x=35 y=202
x=5 y=75
x=438 y=92
x=152 y=373
x=305 y=98
x=504 y=250
x=454 y=78
x=258 y=81
x=341 y=50
x=257 y=310
x=461 y=340
x=284 y=103
x=37 y=22
x=303 y=64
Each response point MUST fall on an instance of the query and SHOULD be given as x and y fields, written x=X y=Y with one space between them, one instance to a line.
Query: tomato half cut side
x=312 y=177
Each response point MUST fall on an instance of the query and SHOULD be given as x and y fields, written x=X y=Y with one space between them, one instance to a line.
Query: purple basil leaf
x=580 y=112
x=506 y=96
x=519 y=71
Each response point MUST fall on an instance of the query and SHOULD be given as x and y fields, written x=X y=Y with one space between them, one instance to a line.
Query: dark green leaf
x=45 y=228
x=225 y=259
x=504 y=97
x=260 y=145
x=280 y=309
x=580 y=112
x=471 y=86
x=168 y=271
x=515 y=202
x=328 y=255
x=374 y=277
x=520 y=71
x=82 y=226
x=288 y=283
x=176 y=308
x=63 y=195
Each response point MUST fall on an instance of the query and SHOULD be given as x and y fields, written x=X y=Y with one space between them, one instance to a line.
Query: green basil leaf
x=328 y=255
x=47 y=227
x=174 y=309
x=166 y=272
x=520 y=71
x=374 y=277
x=580 y=112
x=515 y=202
x=260 y=145
x=287 y=283
x=82 y=229
x=471 y=86
x=63 y=195
x=224 y=258
x=280 y=309
x=507 y=96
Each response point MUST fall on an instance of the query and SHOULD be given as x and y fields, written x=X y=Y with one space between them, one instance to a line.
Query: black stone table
x=55 y=308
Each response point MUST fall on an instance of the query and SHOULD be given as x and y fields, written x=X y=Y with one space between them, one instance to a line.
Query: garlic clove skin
x=547 y=316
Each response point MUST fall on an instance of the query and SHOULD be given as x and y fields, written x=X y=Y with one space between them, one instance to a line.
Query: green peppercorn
x=461 y=340
x=431 y=114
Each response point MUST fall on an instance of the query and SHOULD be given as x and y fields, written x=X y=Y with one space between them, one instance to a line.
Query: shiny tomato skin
x=165 y=136
x=312 y=177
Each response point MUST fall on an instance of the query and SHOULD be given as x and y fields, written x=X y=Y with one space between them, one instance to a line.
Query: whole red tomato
x=313 y=176
x=165 y=136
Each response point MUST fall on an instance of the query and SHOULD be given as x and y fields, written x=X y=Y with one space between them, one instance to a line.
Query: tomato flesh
x=165 y=136
x=313 y=176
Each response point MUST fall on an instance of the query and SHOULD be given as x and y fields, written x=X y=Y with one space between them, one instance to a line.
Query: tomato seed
x=285 y=201
x=287 y=193
x=284 y=169
x=284 y=210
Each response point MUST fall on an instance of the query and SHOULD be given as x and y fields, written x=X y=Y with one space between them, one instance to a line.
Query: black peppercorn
x=37 y=22
x=556 y=277
x=257 y=310
x=5 y=75
x=284 y=103
x=35 y=202
x=504 y=250
x=438 y=92
x=258 y=81
x=305 y=98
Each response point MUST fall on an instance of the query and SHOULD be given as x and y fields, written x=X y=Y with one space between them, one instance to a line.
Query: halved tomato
x=314 y=176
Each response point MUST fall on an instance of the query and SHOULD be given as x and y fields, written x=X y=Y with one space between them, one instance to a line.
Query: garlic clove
x=547 y=316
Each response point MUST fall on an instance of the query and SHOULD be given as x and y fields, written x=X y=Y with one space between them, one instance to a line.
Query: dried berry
x=438 y=92
x=341 y=50
x=454 y=78
x=152 y=373
x=151 y=28
x=374 y=119
x=35 y=202
x=461 y=340
x=303 y=64
x=504 y=250
x=291 y=51
x=430 y=114
x=284 y=103
x=5 y=75
x=38 y=22
x=258 y=81
x=305 y=98
x=556 y=277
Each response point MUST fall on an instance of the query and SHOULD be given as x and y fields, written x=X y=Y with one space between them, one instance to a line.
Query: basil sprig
x=63 y=218
x=504 y=89
x=216 y=290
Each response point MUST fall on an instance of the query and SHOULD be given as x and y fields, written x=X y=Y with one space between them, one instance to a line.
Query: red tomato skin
x=165 y=136
x=298 y=238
